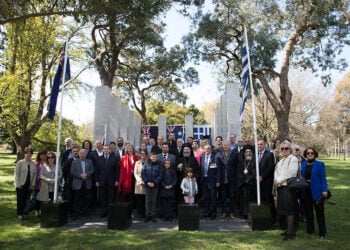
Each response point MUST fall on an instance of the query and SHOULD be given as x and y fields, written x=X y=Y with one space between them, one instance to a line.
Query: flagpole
x=254 y=121
x=55 y=196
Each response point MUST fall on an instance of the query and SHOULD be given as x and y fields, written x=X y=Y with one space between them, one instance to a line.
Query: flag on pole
x=104 y=139
x=51 y=107
x=245 y=77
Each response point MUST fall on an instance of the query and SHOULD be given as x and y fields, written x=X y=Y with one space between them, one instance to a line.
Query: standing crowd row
x=158 y=175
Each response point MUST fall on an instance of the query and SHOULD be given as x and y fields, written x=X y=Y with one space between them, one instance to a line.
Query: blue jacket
x=169 y=178
x=152 y=172
x=318 y=181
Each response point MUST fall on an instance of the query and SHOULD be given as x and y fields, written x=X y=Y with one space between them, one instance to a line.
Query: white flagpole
x=254 y=121
x=55 y=195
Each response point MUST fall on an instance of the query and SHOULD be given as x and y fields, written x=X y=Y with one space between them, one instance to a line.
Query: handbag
x=297 y=182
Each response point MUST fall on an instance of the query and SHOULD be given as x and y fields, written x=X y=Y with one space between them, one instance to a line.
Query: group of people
x=159 y=174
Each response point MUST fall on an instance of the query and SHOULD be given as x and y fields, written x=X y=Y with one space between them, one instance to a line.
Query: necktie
x=206 y=165
x=164 y=157
x=260 y=156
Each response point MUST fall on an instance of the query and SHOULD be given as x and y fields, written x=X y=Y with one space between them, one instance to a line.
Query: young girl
x=189 y=186
x=167 y=190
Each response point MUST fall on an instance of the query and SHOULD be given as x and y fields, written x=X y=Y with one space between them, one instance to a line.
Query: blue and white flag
x=245 y=77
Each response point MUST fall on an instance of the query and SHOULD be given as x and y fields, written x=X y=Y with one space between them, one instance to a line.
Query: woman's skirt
x=286 y=201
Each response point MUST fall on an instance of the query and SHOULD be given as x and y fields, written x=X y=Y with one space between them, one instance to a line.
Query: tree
x=46 y=137
x=123 y=24
x=153 y=72
x=24 y=84
x=174 y=112
x=308 y=33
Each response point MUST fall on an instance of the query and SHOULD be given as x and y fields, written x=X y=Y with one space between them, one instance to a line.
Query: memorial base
x=53 y=214
x=261 y=217
x=189 y=217
x=119 y=216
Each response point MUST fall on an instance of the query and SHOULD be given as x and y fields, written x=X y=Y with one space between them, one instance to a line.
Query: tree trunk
x=22 y=142
x=283 y=125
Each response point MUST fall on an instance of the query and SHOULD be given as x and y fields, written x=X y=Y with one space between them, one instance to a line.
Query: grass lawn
x=27 y=234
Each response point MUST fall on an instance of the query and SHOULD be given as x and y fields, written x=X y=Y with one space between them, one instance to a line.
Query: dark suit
x=173 y=148
x=169 y=157
x=82 y=188
x=107 y=174
x=67 y=192
x=156 y=149
x=208 y=183
x=94 y=156
x=228 y=165
x=64 y=156
x=266 y=171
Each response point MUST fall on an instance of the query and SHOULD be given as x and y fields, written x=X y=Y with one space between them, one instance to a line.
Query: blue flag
x=51 y=107
x=245 y=78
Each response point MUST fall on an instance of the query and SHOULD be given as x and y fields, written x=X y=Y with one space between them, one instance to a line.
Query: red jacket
x=126 y=173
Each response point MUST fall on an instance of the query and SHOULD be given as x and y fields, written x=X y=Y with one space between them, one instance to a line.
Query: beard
x=249 y=157
x=186 y=155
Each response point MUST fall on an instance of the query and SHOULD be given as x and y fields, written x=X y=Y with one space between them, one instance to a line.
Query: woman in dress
x=286 y=168
x=314 y=171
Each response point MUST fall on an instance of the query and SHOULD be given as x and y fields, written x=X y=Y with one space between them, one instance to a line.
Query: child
x=189 y=186
x=167 y=190
x=151 y=175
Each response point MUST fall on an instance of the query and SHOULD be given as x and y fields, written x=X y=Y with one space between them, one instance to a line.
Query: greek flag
x=245 y=78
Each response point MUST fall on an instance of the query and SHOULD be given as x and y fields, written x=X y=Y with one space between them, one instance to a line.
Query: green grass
x=27 y=234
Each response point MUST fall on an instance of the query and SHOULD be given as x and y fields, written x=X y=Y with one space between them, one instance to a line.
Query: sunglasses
x=310 y=153
x=50 y=157
x=284 y=149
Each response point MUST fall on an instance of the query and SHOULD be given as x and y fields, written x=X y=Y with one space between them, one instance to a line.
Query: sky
x=80 y=109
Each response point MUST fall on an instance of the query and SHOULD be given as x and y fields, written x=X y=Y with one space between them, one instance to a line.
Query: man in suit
x=157 y=148
x=67 y=192
x=165 y=155
x=266 y=175
x=179 y=145
x=94 y=156
x=233 y=143
x=240 y=145
x=172 y=143
x=66 y=152
x=107 y=176
x=82 y=170
x=228 y=165
x=120 y=147
x=210 y=182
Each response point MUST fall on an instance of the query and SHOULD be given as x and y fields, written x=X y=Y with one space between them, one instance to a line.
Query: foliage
x=153 y=72
x=46 y=137
x=26 y=234
x=174 y=112
x=334 y=121
x=23 y=86
x=308 y=33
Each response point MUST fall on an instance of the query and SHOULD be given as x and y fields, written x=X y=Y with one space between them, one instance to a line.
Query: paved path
x=219 y=225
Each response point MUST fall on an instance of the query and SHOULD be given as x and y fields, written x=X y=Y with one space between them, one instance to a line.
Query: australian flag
x=150 y=131
x=178 y=130
x=51 y=107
